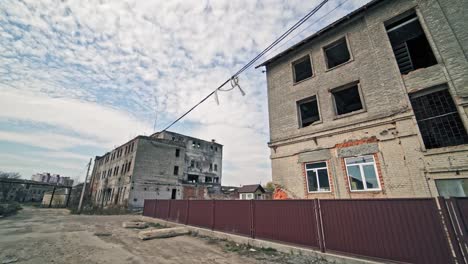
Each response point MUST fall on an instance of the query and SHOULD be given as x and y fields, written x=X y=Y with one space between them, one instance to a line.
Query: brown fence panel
x=201 y=213
x=233 y=216
x=178 y=211
x=405 y=230
x=462 y=204
x=148 y=208
x=291 y=221
x=162 y=209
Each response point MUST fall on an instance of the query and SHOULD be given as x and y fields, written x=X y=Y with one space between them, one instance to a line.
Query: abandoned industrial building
x=374 y=105
x=164 y=165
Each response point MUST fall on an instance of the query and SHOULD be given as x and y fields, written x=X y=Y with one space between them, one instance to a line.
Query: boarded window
x=337 y=53
x=308 y=111
x=409 y=43
x=176 y=170
x=302 y=69
x=438 y=119
x=347 y=99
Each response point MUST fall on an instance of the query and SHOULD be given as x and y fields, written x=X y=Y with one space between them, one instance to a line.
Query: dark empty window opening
x=176 y=170
x=177 y=153
x=347 y=100
x=302 y=69
x=208 y=179
x=409 y=43
x=438 y=119
x=192 y=178
x=215 y=167
x=308 y=111
x=337 y=53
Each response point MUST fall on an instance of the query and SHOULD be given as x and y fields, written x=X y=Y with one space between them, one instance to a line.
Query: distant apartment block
x=52 y=178
x=374 y=105
x=165 y=165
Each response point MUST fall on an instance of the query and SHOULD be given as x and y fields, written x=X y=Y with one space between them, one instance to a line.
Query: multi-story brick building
x=374 y=105
x=165 y=165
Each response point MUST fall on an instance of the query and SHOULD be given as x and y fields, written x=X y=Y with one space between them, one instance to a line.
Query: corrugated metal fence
x=399 y=230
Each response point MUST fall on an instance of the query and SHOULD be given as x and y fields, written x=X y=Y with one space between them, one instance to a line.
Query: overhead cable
x=234 y=78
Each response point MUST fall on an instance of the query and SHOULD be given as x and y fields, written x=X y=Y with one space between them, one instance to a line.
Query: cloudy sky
x=78 y=78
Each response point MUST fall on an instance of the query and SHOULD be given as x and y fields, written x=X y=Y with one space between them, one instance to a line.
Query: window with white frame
x=362 y=173
x=317 y=177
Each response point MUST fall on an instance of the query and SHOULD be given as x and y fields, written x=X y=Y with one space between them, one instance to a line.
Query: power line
x=251 y=62
x=313 y=23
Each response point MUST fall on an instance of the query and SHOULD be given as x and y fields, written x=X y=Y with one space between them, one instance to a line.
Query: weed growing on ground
x=156 y=225
x=7 y=209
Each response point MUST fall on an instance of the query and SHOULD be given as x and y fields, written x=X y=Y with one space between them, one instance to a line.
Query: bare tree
x=5 y=187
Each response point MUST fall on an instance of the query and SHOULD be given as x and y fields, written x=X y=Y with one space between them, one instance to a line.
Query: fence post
x=155 y=208
x=318 y=220
x=169 y=210
x=187 y=212
x=213 y=215
x=252 y=218
x=451 y=219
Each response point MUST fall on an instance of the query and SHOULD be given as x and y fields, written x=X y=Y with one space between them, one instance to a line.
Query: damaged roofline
x=321 y=31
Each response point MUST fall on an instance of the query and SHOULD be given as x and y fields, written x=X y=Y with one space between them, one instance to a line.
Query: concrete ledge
x=263 y=243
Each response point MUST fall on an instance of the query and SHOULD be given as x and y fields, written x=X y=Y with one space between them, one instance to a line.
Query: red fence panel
x=233 y=216
x=162 y=209
x=406 y=230
x=178 y=211
x=292 y=221
x=462 y=204
x=148 y=208
x=201 y=213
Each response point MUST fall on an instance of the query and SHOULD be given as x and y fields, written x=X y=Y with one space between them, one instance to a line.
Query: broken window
x=362 y=173
x=192 y=163
x=208 y=179
x=308 y=111
x=192 y=178
x=302 y=69
x=215 y=167
x=438 y=119
x=347 y=99
x=337 y=53
x=176 y=170
x=216 y=179
x=409 y=43
x=317 y=177
x=211 y=166
x=177 y=153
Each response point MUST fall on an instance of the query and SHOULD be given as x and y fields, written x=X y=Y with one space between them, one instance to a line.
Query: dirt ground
x=37 y=235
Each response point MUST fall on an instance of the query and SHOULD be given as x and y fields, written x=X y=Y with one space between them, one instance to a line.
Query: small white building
x=251 y=192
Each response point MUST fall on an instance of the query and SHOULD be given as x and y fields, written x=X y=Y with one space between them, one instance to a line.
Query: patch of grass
x=7 y=209
x=101 y=211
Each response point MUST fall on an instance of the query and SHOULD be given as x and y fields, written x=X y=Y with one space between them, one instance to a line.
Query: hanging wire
x=250 y=63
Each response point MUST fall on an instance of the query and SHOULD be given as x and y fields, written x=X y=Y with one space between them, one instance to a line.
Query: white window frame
x=361 y=165
x=316 y=176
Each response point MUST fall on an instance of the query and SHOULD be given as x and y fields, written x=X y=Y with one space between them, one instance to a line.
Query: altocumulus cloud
x=79 y=77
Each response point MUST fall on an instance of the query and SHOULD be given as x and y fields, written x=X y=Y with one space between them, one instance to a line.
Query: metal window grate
x=438 y=120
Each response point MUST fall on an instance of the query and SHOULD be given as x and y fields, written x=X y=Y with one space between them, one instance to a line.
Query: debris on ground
x=262 y=255
x=132 y=224
x=99 y=234
x=163 y=233
x=9 y=259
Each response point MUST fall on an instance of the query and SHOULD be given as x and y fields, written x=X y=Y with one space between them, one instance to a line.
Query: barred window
x=438 y=119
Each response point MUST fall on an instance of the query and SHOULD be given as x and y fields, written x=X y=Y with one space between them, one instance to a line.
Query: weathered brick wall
x=406 y=168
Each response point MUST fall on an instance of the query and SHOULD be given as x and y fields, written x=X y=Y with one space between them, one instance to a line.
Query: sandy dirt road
x=54 y=236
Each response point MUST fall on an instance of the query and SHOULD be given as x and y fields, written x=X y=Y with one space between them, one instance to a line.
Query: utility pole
x=84 y=187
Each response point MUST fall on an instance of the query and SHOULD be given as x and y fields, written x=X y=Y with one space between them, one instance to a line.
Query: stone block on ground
x=163 y=233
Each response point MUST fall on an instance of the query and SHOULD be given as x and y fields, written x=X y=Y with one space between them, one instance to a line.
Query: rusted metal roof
x=321 y=32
